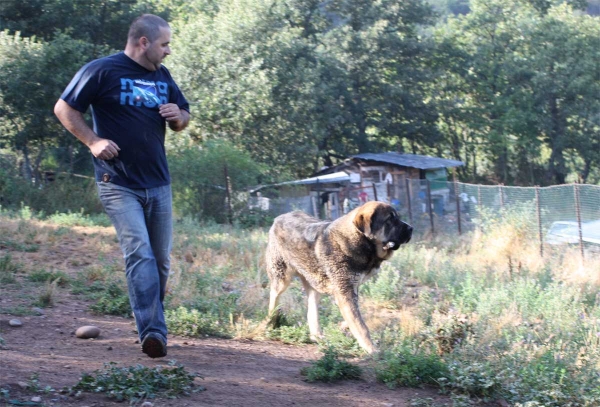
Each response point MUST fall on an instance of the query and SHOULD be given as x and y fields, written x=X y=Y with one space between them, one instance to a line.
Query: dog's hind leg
x=313 y=310
x=348 y=304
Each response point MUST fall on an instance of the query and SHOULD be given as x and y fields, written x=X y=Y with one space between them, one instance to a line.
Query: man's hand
x=170 y=111
x=104 y=149
x=73 y=121
x=177 y=118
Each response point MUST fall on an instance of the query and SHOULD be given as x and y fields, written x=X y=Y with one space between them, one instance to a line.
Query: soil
x=234 y=372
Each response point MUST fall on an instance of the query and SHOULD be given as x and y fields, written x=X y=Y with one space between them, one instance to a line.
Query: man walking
x=133 y=97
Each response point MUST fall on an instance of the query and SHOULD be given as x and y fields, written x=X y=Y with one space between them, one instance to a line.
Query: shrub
x=330 y=369
x=112 y=300
x=403 y=367
x=192 y=323
x=136 y=383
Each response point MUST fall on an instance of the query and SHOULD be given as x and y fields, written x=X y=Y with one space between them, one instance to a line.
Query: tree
x=34 y=75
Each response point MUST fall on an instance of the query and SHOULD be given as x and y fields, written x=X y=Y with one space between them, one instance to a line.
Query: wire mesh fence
x=549 y=216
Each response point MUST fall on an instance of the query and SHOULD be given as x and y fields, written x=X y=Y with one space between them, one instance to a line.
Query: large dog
x=333 y=257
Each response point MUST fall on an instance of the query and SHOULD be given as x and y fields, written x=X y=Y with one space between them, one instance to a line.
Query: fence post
x=374 y=191
x=501 y=191
x=228 y=196
x=539 y=219
x=457 y=206
x=578 y=213
x=410 y=218
x=429 y=205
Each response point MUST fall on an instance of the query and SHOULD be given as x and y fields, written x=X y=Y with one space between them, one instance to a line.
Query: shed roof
x=334 y=177
x=422 y=162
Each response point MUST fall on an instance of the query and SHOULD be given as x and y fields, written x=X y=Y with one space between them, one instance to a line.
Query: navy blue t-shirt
x=125 y=97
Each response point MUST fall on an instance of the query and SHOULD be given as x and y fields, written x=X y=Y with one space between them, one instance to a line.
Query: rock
x=23 y=385
x=38 y=311
x=15 y=323
x=87 y=332
x=36 y=399
x=147 y=404
x=109 y=348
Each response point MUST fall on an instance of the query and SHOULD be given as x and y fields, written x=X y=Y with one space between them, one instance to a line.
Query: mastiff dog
x=333 y=257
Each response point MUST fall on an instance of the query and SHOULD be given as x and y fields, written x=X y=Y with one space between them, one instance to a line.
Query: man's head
x=148 y=41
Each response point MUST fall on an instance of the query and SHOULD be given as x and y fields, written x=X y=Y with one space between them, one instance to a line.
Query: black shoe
x=154 y=345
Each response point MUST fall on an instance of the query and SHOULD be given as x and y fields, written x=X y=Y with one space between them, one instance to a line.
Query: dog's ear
x=362 y=221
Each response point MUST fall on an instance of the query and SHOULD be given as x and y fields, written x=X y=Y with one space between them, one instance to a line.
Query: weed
x=20 y=247
x=136 y=383
x=111 y=299
x=193 y=323
x=46 y=298
x=7 y=270
x=298 y=334
x=406 y=367
x=79 y=219
x=43 y=276
x=330 y=369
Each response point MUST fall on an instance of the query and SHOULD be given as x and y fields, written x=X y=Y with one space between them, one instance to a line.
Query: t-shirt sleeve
x=83 y=88
x=177 y=97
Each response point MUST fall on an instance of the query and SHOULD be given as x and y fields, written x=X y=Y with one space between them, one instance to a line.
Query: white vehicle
x=567 y=232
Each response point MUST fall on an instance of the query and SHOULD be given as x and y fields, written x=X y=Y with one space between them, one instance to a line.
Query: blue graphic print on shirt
x=138 y=92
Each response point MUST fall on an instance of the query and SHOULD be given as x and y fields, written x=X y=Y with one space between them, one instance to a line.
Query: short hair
x=146 y=25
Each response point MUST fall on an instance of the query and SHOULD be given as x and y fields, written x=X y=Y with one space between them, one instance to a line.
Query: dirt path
x=236 y=373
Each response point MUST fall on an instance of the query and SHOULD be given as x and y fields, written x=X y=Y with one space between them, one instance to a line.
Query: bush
x=330 y=369
x=136 y=383
x=404 y=367
x=192 y=323
x=112 y=300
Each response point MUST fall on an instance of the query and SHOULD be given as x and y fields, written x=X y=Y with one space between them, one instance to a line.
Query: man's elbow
x=61 y=109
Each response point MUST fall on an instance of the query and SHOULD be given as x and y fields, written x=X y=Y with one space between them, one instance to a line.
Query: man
x=133 y=97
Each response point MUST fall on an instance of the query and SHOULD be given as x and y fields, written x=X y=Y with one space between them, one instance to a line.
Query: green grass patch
x=193 y=323
x=136 y=383
x=43 y=276
x=110 y=298
x=412 y=368
x=80 y=219
x=330 y=368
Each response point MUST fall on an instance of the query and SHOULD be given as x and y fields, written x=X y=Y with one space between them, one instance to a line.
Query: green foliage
x=199 y=181
x=43 y=276
x=407 y=367
x=7 y=270
x=80 y=219
x=111 y=299
x=298 y=334
x=385 y=288
x=136 y=383
x=331 y=369
x=193 y=323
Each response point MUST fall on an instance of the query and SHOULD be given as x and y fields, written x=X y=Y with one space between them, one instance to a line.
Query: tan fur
x=333 y=257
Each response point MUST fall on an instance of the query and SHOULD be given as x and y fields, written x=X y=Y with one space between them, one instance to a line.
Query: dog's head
x=380 y=223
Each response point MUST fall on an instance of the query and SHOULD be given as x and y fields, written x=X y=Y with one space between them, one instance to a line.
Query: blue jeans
x=144 y=225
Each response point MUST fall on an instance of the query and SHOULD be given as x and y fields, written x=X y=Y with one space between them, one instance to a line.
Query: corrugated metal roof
x=422 y=162
x=335 y=177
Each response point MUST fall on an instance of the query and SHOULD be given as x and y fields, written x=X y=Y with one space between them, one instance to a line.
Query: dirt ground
x=235 y=372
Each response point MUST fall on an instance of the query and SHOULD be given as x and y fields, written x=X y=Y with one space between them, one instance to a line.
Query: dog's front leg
x=347 y=301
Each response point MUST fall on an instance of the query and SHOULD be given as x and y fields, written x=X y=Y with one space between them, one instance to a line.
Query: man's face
x=159 y=49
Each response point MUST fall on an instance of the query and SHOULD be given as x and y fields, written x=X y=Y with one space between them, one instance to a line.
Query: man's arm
x=177 y=118
x=73 y=121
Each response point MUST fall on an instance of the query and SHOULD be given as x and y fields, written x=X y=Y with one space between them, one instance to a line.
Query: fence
x=550 y=216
